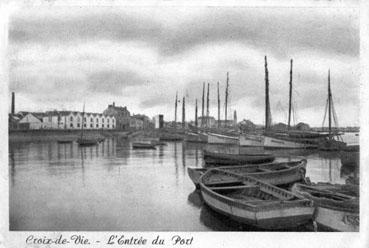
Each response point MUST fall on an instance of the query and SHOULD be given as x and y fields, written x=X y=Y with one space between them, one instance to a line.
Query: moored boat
x=214 y=138
x=273 y=173
x=87 y=141
x=236 y=159
x=253 y=202
x=143 y=145
x=336 y=206
x=251 y=140
x=271 y=141
x=196 y=137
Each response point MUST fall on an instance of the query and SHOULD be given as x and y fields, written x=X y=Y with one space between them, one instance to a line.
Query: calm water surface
x=114 y=188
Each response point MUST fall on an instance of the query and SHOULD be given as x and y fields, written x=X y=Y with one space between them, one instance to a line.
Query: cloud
x=283 y=32
x=113 y=82
x=142 y=58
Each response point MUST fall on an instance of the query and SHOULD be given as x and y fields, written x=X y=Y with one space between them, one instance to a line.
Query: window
x=97 y=120
x=92 y=120
x=71 y=125
x=102 y=125
x=91 y=126
x=78 y=119
x=71 y=119
x=108 y=125
x=84 y=119
x=78 y=125
x=84 y=125
x=103 y=120
x=108 y=120
x=50 y=118
x=112 y=126
x=97 y=125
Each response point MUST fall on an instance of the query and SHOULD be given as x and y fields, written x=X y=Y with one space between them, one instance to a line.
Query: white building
x=73 y=120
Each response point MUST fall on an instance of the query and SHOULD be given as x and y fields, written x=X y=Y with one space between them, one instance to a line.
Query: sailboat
x=289 y=139
x=332 y=142
x=83 y=141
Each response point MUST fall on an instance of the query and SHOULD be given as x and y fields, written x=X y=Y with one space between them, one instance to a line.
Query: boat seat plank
x=220 y=182
x=236 y=187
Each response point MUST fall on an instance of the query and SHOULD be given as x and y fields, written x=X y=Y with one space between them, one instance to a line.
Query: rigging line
x=325 y=112
x=335 y=119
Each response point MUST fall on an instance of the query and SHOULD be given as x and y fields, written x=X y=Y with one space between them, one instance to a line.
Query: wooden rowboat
x=141 y=145
x=336 y=206
x=253 y=202
x=87 y=142
x=273 y=173
x=236 y=159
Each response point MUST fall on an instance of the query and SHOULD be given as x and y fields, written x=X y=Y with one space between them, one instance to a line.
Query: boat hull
x=336 y=220
x=278 y=143
x=236 y=159
x=222 y=139
x=271 y=219
x=251 y=140
x=196 y=138
x=143 y=146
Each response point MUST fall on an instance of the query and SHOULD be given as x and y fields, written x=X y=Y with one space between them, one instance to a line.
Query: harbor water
x=111 y=187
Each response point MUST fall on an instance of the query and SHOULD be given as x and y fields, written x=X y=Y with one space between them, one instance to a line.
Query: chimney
x=13 y=103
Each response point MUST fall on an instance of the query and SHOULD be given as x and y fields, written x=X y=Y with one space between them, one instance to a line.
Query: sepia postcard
x=184 y=124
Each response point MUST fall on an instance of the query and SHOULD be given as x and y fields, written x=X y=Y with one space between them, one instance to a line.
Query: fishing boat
x=284 y=141
x=87 y=141
x=214 y=138
x=236 y=159
x=336 y=206
x=254 y=202
x=251 y=140
x=143 y=145
x=196 y=137
x=334 y=141
x=273 y=173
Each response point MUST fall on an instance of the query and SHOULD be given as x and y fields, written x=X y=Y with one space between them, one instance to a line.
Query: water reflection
x=89 y=188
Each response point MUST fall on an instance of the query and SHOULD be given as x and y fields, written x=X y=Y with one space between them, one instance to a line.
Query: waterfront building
x=73 y=120
x=136 y=123
x=121 y=114
x=30 y=121
x=158 y=121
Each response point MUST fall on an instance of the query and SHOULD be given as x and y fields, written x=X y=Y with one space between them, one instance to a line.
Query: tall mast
x=218 y=107
x=290 y=102
x=175 y=110
x=267 y=104
x=226 y=100
x=207 y=106
x=329 y=105
x=203 y=103
x=196 y=113
x=183 y=112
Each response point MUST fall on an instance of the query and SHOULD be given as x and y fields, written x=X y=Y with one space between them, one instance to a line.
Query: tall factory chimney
x=13 y=103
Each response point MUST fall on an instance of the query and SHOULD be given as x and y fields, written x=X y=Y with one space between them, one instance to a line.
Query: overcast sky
x=139 y=57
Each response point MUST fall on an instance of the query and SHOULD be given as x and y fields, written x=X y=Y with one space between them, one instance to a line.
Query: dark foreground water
x=111 y=187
